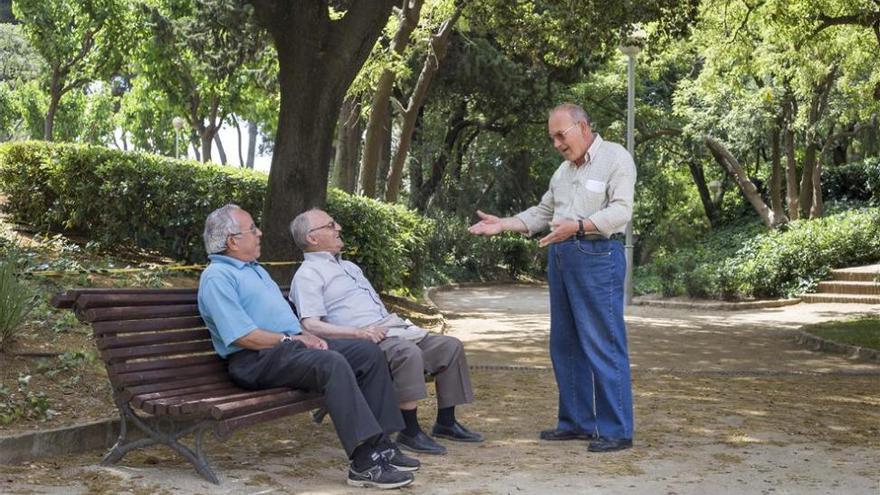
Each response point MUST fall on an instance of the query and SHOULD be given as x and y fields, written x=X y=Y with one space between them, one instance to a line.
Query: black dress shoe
x=556 y=435
x=421 y=443
x=609 y=444
x=456 y=432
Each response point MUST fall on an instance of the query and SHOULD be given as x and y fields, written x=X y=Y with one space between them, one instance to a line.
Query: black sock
x=446 y=416
x=411 y=419
x=362 y=457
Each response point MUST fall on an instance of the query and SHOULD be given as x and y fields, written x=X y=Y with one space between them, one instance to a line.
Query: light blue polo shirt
x=238 y=297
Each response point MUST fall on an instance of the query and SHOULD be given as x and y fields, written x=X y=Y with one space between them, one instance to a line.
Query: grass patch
x=864 y=332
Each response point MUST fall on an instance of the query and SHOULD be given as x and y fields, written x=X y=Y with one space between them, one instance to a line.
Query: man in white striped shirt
x=586 y=207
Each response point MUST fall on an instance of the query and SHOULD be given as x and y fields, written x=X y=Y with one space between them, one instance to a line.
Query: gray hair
x=218 y=226
x=299 y=228
x=576 y=112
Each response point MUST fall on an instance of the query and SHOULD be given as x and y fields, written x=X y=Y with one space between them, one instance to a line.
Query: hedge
x=747 y=261
x=160 y=204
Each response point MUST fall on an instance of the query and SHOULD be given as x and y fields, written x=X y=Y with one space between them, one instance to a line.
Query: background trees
x=745 y=109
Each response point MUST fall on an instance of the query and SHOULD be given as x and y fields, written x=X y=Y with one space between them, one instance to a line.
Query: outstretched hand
x=488 y=225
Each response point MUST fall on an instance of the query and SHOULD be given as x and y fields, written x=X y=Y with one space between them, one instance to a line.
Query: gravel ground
x=725 y=402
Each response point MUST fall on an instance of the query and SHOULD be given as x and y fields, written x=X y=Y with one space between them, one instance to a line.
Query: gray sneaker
x=380 y=475
x=399 y=460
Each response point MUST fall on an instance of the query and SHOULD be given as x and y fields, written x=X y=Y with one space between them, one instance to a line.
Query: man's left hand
x=560 y=230
x=311 y=341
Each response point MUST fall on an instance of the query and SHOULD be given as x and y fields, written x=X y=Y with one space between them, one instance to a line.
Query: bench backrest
x=152 y=341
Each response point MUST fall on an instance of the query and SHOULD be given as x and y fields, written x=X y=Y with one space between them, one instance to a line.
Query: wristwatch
x=286 y=338
x=580 y=227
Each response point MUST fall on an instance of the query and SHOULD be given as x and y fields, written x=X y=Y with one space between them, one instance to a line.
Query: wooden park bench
x=167 y=380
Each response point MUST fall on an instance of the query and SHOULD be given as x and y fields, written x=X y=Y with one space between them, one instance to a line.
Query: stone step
x=869 y=273
x=848 y=287
x=840 y=298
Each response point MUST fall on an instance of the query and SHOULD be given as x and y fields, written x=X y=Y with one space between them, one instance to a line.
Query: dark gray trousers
x=352 y=374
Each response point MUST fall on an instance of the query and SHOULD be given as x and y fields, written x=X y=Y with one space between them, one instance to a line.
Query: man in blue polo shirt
x=255 y=330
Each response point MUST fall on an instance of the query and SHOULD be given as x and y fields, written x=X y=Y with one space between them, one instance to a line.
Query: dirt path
x=725 y=402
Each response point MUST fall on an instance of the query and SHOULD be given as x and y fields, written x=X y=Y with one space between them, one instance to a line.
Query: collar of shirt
x=322 y=256
x=229 y=260
x=591 y=152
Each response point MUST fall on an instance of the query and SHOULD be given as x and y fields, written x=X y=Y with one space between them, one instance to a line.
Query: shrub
x=456 y=255
x=388 y=241
x=851 y=182
x=746 y=261
x=157 y=203
x=15 y=304
x=120 y=198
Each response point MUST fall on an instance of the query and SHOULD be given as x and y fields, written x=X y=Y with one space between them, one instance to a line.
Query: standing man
x=587 y=206
x=334 y=299
x=254 y=329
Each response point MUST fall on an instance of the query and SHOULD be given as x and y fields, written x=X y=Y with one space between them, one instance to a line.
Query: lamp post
x=177 y=122
x=631 y=48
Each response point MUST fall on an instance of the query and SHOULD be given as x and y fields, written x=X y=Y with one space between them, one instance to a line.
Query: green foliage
x=459 y=256
x=387 y=241
x=121 y=198
x=23 y=403
x=743 y=261
x=856 y=182
x=15 y=304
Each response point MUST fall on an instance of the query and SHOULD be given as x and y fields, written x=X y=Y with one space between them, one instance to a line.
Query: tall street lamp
x=177 y=122
x=631 y=47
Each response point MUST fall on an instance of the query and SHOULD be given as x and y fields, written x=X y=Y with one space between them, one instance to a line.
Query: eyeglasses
x=561 y=134
x=331 y=225
x=252 y=230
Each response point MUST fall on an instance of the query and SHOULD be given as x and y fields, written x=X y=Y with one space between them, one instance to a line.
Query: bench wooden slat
x=225 y=427
x=67 y=299
x=148 y=388
x=161 y=406
x=162 y=364
x=204 y=405
x=139 y=312
x=89 y=301
x=140 y=377
x=153 y=338
x=143 y=351
x=237 y=408
x=138 y=399
x=148 y=325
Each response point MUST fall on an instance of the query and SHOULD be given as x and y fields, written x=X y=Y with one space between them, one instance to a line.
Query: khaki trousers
x=439 y=355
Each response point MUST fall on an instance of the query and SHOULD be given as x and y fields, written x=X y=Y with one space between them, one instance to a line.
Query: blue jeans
x=588 y=337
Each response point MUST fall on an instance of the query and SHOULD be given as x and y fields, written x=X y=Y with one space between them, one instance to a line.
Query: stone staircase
x=859 y=284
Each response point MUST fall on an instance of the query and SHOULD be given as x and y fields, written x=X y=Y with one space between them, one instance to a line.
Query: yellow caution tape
x=156 y=268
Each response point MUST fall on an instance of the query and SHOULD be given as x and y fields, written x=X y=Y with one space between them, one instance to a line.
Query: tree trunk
x=318 y=59
x=377 y=132
x=435 y=55
x=384 y=163
x=207 y=140
x=727 y=160
x=791 y=181
x=194 y=141
x=706 y=199
x=240 y=140
x=348 y=140
x=54 y=101
x=776 y=171
x=456 y=125
x=379 y=110
x=220 y=150
x=252 y=144
x=817 y=108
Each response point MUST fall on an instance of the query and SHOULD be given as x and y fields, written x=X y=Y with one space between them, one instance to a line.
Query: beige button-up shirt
x=600 y=190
